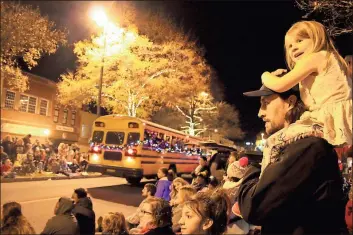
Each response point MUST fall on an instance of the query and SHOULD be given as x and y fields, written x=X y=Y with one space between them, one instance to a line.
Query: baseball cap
x=264 y=91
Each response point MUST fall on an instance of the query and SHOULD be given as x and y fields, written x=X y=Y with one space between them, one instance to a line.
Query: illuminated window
x=10 y=99
x=73 y=118
x=65 y=116
x=28 y=104
x=56 y=114
x=43 y=107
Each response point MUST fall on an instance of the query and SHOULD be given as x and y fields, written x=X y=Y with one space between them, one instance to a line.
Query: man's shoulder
x=312 y=141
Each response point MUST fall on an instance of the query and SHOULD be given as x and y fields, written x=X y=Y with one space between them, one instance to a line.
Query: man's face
x=144 y=192
x=273 y=111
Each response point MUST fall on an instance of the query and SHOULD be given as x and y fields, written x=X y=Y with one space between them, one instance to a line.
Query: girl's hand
x=279 y=72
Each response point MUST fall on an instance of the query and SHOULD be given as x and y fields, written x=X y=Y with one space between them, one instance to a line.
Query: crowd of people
x=297 y=189
x=19 y=156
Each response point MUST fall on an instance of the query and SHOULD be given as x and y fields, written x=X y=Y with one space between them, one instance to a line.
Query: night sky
x=242 y=40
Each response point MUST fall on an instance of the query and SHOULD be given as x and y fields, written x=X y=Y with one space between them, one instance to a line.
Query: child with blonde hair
x=114 y=224
x=325 y=89
x=175 y=186
x=184 y=194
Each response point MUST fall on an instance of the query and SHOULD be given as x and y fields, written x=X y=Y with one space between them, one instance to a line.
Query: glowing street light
x=99 y=16
x=46 y=132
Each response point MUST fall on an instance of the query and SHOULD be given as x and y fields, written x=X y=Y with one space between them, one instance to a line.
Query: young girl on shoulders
x=322 y=74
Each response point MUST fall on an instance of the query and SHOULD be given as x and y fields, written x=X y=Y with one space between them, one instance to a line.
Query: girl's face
x=146 y=215
x=177 y=186
x=297 y=46
x=192 y=223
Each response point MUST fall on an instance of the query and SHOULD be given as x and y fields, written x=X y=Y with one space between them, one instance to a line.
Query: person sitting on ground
x=4 y=155
x=9 y=147
x=163 y=184
x=27 y=139
x=64 y=222
x=74 y=167
x=185 y=193
x=13 y=221
x=83 y=211
x=114 y=224
x=83 y=163
x=148 y=191
x=156 y=218
x=7 y=169
x=28 y=166
x=206 y=213
x=175 y=186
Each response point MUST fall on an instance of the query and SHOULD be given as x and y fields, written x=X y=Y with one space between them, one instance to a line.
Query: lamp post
x=101 y=19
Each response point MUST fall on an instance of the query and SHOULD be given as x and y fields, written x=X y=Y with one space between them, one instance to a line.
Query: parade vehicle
x=134 y=148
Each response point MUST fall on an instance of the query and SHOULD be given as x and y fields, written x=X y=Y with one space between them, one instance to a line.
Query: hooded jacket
x=83 y=211
x=64 y=222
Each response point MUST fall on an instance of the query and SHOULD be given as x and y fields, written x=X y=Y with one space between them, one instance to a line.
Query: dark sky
x=242 y=40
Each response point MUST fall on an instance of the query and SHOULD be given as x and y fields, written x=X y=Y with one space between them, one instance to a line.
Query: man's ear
x=292 y=100
x=207 y=224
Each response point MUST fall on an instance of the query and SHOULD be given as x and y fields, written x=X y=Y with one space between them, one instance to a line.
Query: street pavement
x=38 y=198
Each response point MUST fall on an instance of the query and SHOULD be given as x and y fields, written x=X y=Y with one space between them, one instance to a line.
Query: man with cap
x=299 y=191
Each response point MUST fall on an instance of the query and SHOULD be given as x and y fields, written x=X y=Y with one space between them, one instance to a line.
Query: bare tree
x=337 y=15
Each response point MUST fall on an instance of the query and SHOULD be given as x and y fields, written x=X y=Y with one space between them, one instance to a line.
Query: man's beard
x=273 y=129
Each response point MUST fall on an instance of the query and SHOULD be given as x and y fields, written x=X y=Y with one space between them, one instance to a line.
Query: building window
x=10 y=99
x=56 y=114
x=73 y=118
x=65 y=116
x=28 y=104
x=43 y=107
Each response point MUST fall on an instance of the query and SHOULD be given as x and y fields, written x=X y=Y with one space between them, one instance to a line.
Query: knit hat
x=235 y=170
x=243 y=162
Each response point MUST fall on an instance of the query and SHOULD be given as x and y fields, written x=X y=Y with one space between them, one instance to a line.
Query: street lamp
x=101 y=19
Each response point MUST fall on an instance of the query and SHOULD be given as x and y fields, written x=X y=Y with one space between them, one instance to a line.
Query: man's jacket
x=85 y=216
x=64 y=222
x=299 y=194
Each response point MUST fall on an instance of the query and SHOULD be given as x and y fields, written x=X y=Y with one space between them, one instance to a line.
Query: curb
x=14 y=180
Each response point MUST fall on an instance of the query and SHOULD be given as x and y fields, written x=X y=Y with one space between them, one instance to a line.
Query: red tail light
x=95 y=149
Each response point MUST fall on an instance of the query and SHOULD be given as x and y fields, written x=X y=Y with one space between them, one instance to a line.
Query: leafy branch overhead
x=26 y=35
x=336 y=15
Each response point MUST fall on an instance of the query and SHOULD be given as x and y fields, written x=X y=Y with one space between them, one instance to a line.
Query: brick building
x=37 y=112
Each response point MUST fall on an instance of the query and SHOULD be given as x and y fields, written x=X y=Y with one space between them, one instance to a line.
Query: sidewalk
x=49 y=176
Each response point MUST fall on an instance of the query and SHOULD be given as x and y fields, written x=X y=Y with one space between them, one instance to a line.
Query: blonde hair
x=187 y=192
x=114 y=223
x=174 y=192
x=213 y=204
x=321 y=40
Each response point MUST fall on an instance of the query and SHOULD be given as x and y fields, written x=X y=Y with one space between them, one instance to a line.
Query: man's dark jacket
x=85 y=216
x=301 y=193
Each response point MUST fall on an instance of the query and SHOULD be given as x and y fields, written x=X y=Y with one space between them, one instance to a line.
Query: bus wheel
x=133 y=180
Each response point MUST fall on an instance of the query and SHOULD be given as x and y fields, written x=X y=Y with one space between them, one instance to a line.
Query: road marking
x=38 y=200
